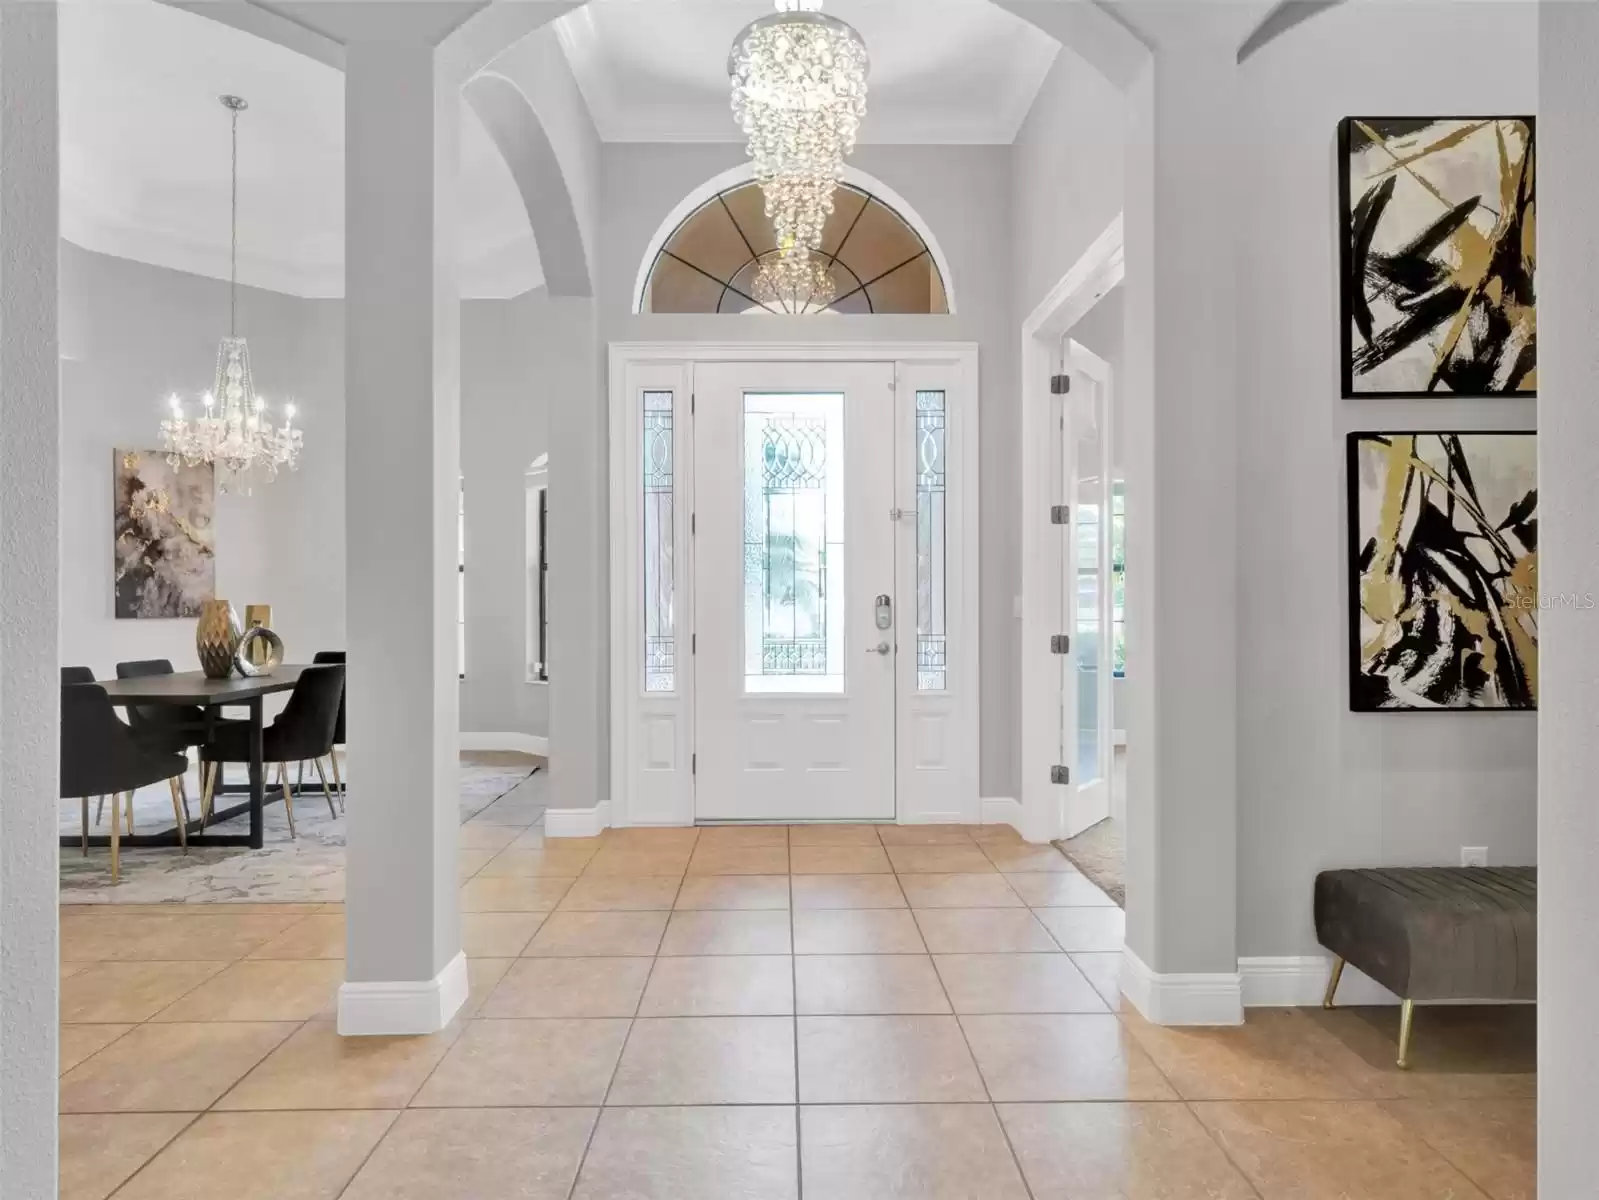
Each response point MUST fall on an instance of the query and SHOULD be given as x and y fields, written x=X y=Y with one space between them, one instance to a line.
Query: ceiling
x=943 y=71
x=144 y=157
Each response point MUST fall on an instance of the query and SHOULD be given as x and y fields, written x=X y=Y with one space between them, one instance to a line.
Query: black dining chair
x=302 y=732
x=167 y=729
x=76 y=675
x=100 y=756
x=335 y=656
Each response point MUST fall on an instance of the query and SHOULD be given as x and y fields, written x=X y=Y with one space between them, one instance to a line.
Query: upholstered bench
x=1433 y=933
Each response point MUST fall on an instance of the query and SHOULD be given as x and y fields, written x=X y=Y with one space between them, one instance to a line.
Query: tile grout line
x=793 y=972
x=161 y=1149
x=993 y=1109
x=599 y=1113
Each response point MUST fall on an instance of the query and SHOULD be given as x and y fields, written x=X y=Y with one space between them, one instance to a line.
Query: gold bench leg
x=1406 y=1015
x=1332 y=982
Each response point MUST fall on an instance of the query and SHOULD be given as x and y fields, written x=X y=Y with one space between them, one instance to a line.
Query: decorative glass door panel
x=794 y=637
x=796 y=632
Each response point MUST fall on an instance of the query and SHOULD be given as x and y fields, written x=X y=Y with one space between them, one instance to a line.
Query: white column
x=1182 y=557
x=30 y=432
x=406 y=973
x=1568 y=720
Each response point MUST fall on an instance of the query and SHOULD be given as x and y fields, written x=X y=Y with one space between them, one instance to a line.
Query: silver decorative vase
x=216 y=638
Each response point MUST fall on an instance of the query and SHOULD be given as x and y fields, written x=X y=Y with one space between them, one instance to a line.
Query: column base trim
x=520 y=743
x=1182 y=999
x=406 y=1007
x=577 y=822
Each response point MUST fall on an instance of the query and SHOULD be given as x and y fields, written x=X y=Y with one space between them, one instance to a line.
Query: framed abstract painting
x=164 y=519
x=1443 y=538
x=1437 y=247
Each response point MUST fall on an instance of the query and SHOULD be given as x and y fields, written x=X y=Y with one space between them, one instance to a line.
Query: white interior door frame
x=652 y=731
x=1091 y=277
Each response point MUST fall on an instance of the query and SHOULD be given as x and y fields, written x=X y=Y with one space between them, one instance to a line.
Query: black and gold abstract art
x=1438 y=256
x=1443 y=531
x=164 y=521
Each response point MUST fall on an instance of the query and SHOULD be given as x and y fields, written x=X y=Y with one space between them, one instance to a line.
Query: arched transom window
x=879 y=263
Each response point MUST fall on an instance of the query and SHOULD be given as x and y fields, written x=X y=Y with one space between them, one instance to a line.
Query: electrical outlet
x=1474 y=856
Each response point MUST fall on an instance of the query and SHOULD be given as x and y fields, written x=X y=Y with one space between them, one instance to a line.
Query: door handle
x=880 y=648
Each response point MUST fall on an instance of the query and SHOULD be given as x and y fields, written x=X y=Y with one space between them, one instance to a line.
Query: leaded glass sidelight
x=794 y=543
x=660 y=643
x=932 y=625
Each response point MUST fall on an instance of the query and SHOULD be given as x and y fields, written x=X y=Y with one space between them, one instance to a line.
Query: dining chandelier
x=232 y=430
x=799 y=94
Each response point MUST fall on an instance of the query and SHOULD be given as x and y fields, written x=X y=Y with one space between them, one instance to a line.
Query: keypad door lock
x=885 y=612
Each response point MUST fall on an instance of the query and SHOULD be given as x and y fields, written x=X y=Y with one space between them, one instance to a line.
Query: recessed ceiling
x=943 y=71
x=144 y=157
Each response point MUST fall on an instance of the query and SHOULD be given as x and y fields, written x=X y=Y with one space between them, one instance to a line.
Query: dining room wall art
x=1444 y=603
x=164 y=531
x=1438 y=237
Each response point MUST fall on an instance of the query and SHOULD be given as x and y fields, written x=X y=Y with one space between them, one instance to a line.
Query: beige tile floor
x=838 y=1013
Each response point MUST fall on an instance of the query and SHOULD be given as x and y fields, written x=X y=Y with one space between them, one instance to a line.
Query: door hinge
x=1060 y=774
x=1060 y=385
x=694 y=764
x=693 y=524
x=1060 y=514
x=1060 y=643
x=693 y=400
x=693 y=643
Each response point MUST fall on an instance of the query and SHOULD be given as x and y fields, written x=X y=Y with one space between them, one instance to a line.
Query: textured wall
x=30 y=425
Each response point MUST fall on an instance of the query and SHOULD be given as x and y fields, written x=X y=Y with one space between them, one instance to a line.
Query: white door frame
x=1101 y=268
x=652 y=735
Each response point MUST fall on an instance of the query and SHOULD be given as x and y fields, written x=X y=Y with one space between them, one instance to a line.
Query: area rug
x=496 y=788
x=1100 y=853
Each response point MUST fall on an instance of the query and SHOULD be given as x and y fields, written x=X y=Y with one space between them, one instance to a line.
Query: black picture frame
x=1346 y=281
x=1354 y=548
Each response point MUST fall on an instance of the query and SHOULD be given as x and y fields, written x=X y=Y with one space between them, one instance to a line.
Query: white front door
x=796 y=623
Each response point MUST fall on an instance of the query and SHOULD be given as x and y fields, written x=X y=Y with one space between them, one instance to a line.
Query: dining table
x=194 y=689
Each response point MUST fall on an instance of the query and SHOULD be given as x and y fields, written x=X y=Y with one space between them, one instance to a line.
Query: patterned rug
x=496 y=788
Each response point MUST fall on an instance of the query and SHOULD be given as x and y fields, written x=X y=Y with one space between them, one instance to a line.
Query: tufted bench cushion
x=1435 y=933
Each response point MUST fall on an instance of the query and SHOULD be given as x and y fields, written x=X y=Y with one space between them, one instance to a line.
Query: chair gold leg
x=333 y=761
x=1407 y=1014
x=83 y=823
x=177 y=814
x=129 y=811
x=333 y=809
x=183 y=794
x=299 y=779
x=99 y=809
x=116 y=837
x=208 y=784
x=288 y=798
x=1332 y=982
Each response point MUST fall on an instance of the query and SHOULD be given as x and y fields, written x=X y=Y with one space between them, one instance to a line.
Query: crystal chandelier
x=799 y=93
x=794 y=282
x=239 y=439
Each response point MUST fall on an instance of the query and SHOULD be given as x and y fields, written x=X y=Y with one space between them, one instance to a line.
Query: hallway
x=648 y=1006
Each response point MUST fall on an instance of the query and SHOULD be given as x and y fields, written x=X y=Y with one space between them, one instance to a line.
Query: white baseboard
x=1001 y=810
x=520 y=743
x=407 y=1008
x=1300 y=981
x=577 y=822
x=1195 y=999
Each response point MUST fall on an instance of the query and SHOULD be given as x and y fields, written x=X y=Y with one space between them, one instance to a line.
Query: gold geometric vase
x=216 y=638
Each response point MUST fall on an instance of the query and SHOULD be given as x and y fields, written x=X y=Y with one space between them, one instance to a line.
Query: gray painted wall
x=1320 y=786
x=1568 y=751
x=133 y=333
x=505 y=394
x=963 y=195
